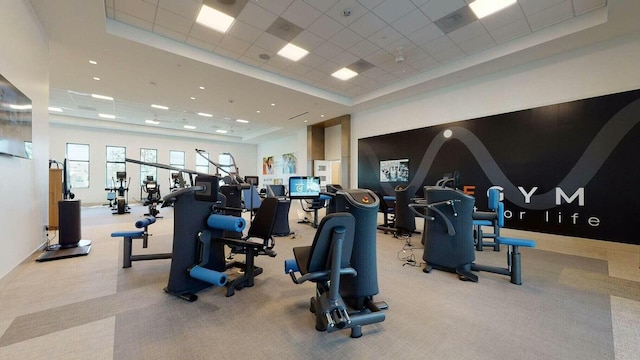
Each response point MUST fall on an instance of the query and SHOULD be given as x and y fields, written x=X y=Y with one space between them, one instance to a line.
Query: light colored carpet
x=562 y=310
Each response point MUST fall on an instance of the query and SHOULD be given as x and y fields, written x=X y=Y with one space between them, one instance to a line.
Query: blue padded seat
x=128 y=237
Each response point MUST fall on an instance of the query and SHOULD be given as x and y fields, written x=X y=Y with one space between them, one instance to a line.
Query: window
x=176 y=159
x=150 y=156
x=225 y=161
x=78 y=163
x=115 y=162
x=202 y=162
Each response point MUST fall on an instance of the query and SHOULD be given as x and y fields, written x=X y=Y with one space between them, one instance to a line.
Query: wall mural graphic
x=566 y=169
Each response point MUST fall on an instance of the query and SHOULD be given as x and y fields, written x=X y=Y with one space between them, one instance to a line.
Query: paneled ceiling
x=154 y=52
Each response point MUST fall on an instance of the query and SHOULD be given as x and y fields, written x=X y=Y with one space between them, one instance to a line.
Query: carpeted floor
x=569 y=307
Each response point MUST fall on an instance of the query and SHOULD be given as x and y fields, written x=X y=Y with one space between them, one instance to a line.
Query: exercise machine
x=152 y=189
x=121 y=202
x=342 y=262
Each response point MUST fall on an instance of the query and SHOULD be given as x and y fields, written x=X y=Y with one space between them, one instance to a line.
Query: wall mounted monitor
x=304 y=187
x=251 y=180
x=15 y=121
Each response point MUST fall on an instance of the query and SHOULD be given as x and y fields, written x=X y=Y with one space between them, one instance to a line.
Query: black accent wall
x=568 y=169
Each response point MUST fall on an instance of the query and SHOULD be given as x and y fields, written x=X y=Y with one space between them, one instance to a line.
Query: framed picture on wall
x=394 y=170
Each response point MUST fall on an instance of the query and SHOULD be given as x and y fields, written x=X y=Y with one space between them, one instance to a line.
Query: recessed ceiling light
x=162 y=107
x=192 y=98
x=272 y=104
x=220 y=131
x=190 y=127
x=102 y=97
x=153 y=122
x=205 y=114
x=321 y=115
x=201 y=87
x=292 y=52
x=55 y=109
x=344 y=74
x=93 y=62
x=258 y=111
x=107 y=116
x=214 y=19
x=484 y=8
x=242 y=121
x=96 y=78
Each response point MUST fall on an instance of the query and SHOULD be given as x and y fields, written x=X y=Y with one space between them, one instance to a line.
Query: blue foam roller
x=145 y=222
x=211 y=276
x=225 y=222
x=290 y=265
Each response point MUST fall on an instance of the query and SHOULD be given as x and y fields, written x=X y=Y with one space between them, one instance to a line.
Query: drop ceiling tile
x=251 y=61
x=436 y=9
x=411 y=22
x=172 y=21
x=440 y=44
x=466 y=33
x=370 y=4
x=226 y=53
x=367 y=25
x=255 y=51
x=449 y=55
x=419 y=3
x=424 y=64
x=307 y=40
x=137 y=8
x=402 y=44
x=379 y=57
x=533 y=6
x=363 y=49
x=325 y=27
x=257 y=16
x=168 y=33
x=201 y=44
x=328 y=50
x=133 y=21
x=345 y=58
x=270 y=42
x=312 y=60
x=328 y=67
x=477 y=44
x=315 y=75
x=321 y=5
x=233 y=44
x=346 y=38
x=274 y=6
x=583 y=6
x=392 y=10
x=244 y=31
x=385 y=36
x=355 y=11
x=425 y=34
x=511 y=31
x=205 y=34
x=551 y=15
x=298 y=69
x=186 y=9
x=502 y=18
x=301 y=14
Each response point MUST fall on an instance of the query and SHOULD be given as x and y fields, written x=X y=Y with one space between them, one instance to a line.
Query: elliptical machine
x=121 y=203
x=152 y=188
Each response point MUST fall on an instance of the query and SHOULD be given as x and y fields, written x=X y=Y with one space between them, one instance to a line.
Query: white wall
x=98 y=139
x=296 y=143
x=604 y=68
x=24 y=189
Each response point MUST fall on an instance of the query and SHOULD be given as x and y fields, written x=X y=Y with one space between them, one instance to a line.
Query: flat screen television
x=304 y=187
x=252 y=180
x=15 y=121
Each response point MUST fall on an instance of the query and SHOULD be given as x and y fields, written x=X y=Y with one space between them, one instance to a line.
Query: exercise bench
x=128 y=236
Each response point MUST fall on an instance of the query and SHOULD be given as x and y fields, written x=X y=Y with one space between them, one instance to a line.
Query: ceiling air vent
x=456 y=20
